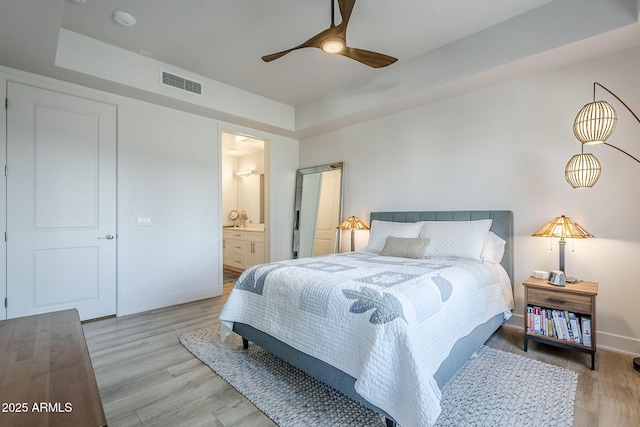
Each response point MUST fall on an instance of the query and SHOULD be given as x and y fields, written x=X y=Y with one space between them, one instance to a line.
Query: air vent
x=178 y=82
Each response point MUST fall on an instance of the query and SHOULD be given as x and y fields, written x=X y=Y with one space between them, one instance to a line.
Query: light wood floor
x=146 y=377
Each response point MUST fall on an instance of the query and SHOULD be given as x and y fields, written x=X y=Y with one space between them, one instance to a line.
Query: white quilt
x=388 y=322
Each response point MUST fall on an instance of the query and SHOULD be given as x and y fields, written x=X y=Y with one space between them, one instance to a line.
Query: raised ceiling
x=443 y=46
x=224 y=40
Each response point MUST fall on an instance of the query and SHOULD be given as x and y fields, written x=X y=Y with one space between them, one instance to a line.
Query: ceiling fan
x=333 y=40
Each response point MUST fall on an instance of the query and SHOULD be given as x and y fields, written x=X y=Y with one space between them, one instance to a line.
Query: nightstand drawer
x=562 y=301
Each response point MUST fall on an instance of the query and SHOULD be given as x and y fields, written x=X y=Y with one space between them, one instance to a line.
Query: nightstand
x=553 y=314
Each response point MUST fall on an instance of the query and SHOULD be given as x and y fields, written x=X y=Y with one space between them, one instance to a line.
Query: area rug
x=494 y=388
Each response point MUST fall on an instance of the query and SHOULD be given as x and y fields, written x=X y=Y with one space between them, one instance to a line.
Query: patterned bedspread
x=388 y=322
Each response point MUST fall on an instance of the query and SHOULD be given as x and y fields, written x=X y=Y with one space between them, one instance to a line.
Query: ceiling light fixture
x=123 y=18
x=333 y=45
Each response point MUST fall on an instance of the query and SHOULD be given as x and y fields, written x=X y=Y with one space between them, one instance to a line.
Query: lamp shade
x=583 y=170
x=595 y=122
x=352 y=223
x=563 y=227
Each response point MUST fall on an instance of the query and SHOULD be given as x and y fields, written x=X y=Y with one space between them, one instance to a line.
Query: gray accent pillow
x=405 y=247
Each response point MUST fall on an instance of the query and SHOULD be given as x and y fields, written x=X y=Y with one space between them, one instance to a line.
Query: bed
x=381 y=344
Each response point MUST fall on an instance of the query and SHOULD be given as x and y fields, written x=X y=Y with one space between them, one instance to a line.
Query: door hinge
x=6 y=103
x=5 y=303
x=5 y=170
x=5 y=236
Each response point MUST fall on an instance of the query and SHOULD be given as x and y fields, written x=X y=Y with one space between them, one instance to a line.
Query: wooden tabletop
x=581 y=287
x=46 y=376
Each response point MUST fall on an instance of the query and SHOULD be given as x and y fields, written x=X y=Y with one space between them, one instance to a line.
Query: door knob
x=108 y=237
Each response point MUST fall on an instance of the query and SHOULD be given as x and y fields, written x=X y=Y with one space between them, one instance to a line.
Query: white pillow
x=380 y=230
x=493 y=248
x=456 y=239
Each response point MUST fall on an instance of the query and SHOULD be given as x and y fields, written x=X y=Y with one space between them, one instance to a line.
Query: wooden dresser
x=46 y=376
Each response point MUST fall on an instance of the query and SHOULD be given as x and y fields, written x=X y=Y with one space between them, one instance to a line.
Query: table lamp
x=353 y=223
x=563 y=227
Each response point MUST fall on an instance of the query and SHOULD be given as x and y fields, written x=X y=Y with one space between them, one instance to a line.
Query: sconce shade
x=563 y=227
x=583 y=170
x=352 y=223
x=595 y=122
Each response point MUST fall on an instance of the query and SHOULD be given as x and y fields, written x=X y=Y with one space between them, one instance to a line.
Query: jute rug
x=495 y=388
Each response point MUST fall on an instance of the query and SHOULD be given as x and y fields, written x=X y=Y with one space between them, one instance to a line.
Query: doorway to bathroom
x=243 y=202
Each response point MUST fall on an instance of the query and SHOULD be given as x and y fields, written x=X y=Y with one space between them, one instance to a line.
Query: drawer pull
x=557 y=300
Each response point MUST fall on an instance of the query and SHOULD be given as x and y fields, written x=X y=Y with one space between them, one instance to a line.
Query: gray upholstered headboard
x=502 y=225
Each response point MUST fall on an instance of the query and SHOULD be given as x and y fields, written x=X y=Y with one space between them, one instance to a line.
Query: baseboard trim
x=138 y=306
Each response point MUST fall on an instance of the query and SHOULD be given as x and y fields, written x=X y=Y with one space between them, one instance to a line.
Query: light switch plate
x=143 y=220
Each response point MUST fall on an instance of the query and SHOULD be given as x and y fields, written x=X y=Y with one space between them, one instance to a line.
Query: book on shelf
x=560 y=324
x=559 y=331
x=573 y=320
x=586 y=330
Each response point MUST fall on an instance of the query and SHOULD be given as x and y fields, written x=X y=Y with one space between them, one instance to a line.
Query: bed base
x=344 y=383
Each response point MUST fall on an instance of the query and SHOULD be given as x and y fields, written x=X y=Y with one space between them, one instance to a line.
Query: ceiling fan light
x=595 y=122
x=333 y=45
x=583 y=170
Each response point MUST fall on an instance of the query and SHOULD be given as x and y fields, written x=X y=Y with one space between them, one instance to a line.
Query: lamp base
x=636 y=364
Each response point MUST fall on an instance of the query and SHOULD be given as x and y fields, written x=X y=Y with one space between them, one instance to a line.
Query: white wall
x=167 y=170
x=505 y=147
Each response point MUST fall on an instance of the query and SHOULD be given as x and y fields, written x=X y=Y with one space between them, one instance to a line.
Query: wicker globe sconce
x=582 y=170
x=595 y=122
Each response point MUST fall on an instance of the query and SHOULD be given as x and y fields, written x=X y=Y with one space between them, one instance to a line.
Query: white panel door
x=61 y=203
x=328 y=213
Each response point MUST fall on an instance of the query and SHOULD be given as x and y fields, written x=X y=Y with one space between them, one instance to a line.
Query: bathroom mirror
x=251 y=197
x=317 y=210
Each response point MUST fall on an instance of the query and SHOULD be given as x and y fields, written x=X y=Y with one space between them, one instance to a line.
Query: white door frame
x=4 y=82
x=3 y=199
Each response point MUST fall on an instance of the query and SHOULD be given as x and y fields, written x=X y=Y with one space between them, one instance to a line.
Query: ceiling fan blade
x=315 y=41
x=346 y=7
x=274 y=56
x=372 y=59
